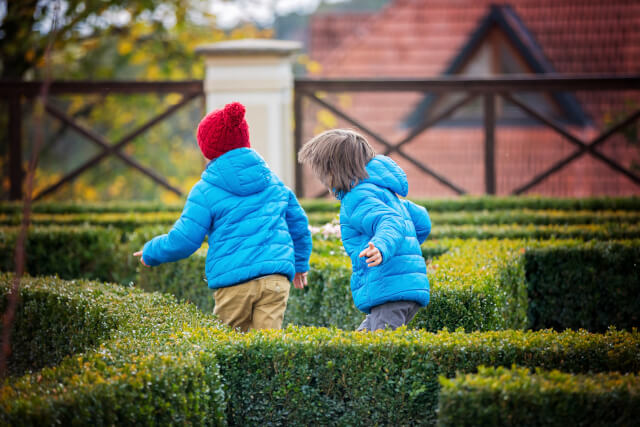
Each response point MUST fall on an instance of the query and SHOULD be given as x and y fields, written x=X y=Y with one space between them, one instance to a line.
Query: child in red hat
x=258 y=234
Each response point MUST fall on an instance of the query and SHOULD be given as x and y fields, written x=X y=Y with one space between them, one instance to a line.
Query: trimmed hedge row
x=591 y=285
x=538 y=217
x=130 y=221
x=70 y=252
x=128 y=358
x=465 y=203
x=475 y=203
x=542 y=232
x=15 y=208
x=309 y=376
x=122 y=221
x=492 y=203
x=515 y=397
x=165 y=363
x=476 y=285
x=515 y=216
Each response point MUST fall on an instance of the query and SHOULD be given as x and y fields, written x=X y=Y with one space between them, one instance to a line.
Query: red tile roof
x=420 y=38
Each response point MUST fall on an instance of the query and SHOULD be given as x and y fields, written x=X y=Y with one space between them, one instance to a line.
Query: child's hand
x=300 y=280
x=374 y=257
x=139 y=253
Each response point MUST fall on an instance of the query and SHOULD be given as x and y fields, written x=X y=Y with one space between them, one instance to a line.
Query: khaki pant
x=256 y=304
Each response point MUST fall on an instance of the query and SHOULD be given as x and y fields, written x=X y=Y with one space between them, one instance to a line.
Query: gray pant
x=391 y=315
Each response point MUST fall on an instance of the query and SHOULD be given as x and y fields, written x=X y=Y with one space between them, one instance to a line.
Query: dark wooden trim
x=16 y=173
x=514 y=83
x=32 y=89
x=489 y=143
x=117 y=146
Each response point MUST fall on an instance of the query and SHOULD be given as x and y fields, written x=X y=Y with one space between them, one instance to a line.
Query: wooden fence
x=487 y=88
x=14 y=92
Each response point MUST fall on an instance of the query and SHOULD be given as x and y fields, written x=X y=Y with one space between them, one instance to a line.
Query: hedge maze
x=532 y=321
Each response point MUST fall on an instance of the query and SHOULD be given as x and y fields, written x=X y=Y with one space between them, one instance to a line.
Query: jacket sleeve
x=372 y=217
x=185 y=237
x=420 y=218
x=299 y=229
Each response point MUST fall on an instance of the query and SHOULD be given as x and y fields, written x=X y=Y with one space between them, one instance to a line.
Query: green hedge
x=165 y=363
x=327 y=301
x=491 y=203
x=475 y=284
x=130 y=358
x=589 y=286
x=52 y=325
x=465 y=203
x=69 y=252
x=308 y=376
x=129 y=221
x=515 y=397
x=537 y=217
x=122 y=221
x=514 y=216
x=15 y=208
x=493 y=284
x=480 y=203
x=542 y=232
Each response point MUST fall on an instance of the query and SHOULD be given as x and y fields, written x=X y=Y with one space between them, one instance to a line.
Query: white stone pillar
x=258 y=74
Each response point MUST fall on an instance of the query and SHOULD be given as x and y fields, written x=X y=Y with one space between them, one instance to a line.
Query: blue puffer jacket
x=372 y=212
x=255 y=224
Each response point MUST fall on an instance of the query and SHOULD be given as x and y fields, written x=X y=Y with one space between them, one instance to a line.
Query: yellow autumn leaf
x=138 y=57
x=326 y=119
x=173 y=98
x=124 y=47
x=314 y=67
x=153 y=72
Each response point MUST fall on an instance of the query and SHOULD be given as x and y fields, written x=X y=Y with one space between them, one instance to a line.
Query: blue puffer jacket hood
x=241 y=171
x=372 y=212
x=254 y=223
x=385 y=173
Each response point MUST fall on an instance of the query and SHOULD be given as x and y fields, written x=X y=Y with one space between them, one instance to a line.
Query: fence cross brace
x=108 y=150
x=583 y=147
x=391 y=148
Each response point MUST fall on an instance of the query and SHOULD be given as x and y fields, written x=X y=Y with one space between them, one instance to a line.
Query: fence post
x=16 y=174
x=489 y=143
x=257 y=73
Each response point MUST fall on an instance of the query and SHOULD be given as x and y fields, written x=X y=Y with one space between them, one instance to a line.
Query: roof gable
x=505 y=20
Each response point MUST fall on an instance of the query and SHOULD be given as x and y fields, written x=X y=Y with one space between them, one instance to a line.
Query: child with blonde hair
x=258 y=234
x=381 y=232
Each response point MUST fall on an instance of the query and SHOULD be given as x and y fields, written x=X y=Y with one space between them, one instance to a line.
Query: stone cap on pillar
x=250 y=47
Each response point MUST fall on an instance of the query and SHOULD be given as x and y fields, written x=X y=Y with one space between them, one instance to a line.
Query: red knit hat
x=223 y=130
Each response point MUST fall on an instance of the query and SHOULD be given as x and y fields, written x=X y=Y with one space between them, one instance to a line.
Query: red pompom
x=234 y=113
x=223 y=130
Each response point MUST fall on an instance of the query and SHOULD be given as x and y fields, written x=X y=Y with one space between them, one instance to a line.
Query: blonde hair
x=338 y=158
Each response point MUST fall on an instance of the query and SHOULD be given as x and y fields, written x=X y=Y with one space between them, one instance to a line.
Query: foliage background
x=151 y=40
